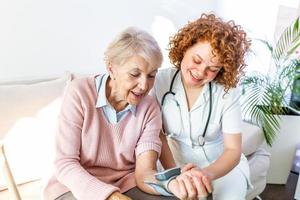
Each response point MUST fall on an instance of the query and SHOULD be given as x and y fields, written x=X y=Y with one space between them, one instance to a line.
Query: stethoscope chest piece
x=201 y=140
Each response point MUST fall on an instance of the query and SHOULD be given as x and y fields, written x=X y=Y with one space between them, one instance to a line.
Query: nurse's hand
x=182 y=187
x=188 y=166
x=201 y=180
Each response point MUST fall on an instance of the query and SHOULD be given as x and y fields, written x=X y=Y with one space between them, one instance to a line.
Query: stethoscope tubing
x=171 y=88
x=202 y=143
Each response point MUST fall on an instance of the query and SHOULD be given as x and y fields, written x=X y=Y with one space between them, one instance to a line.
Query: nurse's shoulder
x=165 y=75
x=233 y=94
x=162 y=82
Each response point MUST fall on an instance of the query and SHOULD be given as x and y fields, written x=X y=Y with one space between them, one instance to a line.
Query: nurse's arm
x=228 y=159
x=166 y=157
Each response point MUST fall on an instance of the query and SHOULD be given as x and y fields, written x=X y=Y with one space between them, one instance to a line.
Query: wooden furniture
x=11 y=184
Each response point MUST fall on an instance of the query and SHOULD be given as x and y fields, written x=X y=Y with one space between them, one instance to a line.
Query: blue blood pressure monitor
x=167 y=174
x=164 y=178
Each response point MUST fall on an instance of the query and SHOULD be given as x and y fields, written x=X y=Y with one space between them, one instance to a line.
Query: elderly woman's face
x=133 y=79
x=199 y=65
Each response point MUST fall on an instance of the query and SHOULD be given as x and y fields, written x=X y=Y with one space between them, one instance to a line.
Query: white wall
x=45 y=38
x=258 y=19
x=255 y=16
x=261 y=20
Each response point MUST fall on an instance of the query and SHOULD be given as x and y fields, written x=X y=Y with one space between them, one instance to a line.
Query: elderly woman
x=201 y=110
x=108 y=136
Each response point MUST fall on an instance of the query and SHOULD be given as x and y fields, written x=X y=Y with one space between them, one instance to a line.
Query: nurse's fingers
x=188 y=167
x=205 y=179
x=190 y=188
x=207 y=184
x=182 y=190
x=201 y=190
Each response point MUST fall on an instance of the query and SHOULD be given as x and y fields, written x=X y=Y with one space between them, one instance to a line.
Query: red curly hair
x=228 y=41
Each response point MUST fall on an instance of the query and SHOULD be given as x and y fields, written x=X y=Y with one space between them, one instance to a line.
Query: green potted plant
x=264 y=96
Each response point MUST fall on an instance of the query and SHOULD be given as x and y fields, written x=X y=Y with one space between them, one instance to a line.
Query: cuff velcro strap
x=160 y=189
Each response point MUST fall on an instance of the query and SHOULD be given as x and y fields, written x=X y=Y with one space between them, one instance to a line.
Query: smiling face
x=199 y=65
x=130 y=82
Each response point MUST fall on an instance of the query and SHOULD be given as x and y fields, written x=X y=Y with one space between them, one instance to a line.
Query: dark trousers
x=134 y=193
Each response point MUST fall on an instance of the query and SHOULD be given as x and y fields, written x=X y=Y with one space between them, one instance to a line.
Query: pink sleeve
x=68 y=169
x=149 y=139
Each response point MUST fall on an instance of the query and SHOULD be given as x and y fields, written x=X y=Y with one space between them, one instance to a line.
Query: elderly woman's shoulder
x=149 y=102
x=148 y=99
x=82 y=80
x=82 y=83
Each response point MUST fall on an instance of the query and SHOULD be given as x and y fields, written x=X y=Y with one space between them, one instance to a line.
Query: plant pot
x=283 y=149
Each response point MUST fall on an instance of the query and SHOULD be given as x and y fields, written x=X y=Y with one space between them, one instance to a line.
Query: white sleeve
x=161 y=84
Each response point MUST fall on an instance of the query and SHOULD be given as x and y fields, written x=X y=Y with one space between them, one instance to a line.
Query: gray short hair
x=132 y=42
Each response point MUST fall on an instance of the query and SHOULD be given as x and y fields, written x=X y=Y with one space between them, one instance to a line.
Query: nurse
x=201 y=110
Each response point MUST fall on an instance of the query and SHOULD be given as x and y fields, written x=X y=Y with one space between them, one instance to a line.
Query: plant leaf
x=288 y=42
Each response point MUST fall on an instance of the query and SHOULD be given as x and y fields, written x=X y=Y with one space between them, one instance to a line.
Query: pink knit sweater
x=93 y=157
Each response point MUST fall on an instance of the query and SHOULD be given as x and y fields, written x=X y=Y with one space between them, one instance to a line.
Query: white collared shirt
x=110 y=113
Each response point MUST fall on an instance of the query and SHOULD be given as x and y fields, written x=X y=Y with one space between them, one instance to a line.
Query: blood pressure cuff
x=163 y=179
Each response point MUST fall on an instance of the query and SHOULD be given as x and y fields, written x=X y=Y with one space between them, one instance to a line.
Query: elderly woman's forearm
x=145 y=170
x=81 y=183
x=166 y=157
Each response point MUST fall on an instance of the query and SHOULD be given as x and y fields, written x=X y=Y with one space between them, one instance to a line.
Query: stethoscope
x=201 y=138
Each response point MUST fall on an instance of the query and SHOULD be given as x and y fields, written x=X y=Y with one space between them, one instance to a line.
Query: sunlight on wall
x=162 y=28
x=29 y=144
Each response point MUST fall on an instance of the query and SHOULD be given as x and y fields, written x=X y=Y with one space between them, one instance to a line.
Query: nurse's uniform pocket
x=213 y=131
x=214 y=145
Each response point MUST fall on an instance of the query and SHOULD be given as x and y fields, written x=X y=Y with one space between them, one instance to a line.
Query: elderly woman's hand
x=118 y=196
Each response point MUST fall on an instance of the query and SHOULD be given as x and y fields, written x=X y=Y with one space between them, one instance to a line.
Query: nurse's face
x=199 y=65
x=132 y=80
